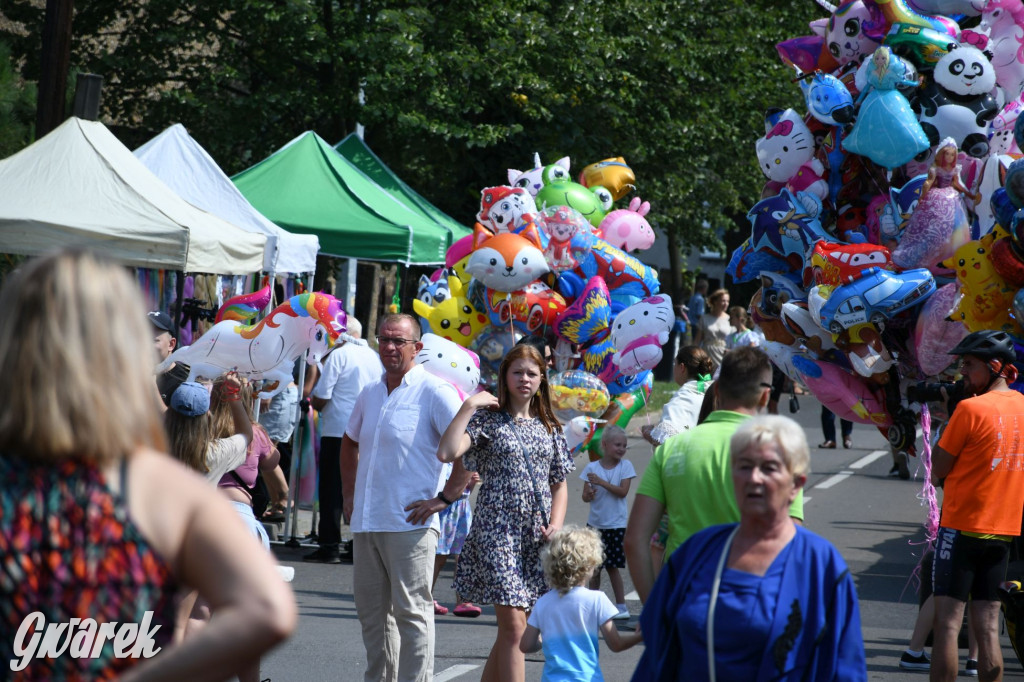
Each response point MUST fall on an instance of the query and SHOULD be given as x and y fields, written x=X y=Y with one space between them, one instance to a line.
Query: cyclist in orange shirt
x=981 y=457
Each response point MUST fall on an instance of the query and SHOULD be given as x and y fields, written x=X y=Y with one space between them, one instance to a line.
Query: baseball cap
x=161 y=321
x=190 y=399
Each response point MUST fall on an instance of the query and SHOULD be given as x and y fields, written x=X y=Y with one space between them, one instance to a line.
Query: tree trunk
x=675 y=261
x=53 y=66
x=374 y=314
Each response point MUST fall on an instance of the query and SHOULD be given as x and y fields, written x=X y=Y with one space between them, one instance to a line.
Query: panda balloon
x=958 y=102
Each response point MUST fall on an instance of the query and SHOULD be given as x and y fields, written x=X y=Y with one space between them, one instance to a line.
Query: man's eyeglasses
x=393 y=341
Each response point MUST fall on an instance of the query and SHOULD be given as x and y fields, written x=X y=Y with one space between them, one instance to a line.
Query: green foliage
x=456 y=93
x=17 y=106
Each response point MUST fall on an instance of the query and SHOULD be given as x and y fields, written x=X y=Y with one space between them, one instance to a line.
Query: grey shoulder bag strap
x=529 y=468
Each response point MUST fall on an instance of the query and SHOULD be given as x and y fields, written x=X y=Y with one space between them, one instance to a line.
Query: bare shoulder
x=163 y=497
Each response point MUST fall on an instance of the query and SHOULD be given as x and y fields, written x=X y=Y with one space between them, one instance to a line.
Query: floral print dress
x=500 y=562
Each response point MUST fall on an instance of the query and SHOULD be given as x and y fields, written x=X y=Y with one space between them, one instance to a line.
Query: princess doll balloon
x=887 y=130
x=939 y=225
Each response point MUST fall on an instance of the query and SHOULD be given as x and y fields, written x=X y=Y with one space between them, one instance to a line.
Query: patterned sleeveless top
x=69 y=550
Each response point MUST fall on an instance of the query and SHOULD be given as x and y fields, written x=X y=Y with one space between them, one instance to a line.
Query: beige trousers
x=391 y=584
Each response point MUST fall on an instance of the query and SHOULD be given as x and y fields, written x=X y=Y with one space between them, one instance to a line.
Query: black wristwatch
x=444 y=499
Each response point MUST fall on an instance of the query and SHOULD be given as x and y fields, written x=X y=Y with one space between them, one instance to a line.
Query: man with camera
x=981 y=458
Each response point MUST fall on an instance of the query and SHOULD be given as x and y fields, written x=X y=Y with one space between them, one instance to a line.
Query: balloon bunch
x=550 y=257
x=888 y=225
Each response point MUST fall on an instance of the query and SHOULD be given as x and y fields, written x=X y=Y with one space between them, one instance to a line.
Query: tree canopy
x=453 y=94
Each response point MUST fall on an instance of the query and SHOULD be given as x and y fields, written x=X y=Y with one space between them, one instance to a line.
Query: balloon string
x=927 y=496
x=928 y=490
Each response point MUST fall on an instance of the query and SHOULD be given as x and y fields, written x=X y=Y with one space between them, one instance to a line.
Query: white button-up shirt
x=398 y=436
x=346 y=372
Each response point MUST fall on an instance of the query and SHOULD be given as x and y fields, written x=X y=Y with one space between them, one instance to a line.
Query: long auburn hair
x=220 y=408
x=188 y=438
x=540 y=403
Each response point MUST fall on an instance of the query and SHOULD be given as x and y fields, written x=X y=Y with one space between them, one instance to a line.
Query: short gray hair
x=778 y=430
x=355 y=327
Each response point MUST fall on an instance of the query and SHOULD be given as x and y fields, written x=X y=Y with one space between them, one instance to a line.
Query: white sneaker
x=623 y=613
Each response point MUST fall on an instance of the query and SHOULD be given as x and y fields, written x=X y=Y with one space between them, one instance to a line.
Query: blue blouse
x=743 y=620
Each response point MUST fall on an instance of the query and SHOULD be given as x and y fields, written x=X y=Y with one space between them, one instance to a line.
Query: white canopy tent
x=177 y=159
x=79 y=186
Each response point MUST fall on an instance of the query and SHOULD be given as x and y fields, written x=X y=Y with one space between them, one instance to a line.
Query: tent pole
x=179 y=291
x=291 y=519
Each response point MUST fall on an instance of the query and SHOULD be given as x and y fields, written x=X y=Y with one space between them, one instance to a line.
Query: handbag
x=529 y=469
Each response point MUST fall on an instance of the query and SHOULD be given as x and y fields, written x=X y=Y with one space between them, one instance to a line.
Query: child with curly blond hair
x=570 y=615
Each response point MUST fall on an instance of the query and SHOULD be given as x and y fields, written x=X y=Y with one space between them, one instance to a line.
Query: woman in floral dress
x=517 y=446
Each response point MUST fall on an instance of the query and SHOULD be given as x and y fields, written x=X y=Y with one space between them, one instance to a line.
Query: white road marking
x=834 y=480
x=868 y=459
x=807 y=499
x=633 y=596
x=454 y=671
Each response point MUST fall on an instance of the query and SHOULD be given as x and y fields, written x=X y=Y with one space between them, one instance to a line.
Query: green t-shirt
x=692 y=476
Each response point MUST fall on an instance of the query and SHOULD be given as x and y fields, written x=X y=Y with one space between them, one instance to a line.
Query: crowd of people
x=733 y=586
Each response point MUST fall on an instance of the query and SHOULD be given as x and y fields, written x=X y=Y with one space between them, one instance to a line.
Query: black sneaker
x=903 y=465
x=971 y=668
x=895 y=471
x=908 y=662
x=324 y=556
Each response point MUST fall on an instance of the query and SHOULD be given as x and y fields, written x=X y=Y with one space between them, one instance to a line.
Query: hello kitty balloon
x=639 y=332
x=447 y=360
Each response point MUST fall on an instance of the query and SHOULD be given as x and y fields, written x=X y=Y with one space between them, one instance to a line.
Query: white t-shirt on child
x=569 y=625
x=608 y=510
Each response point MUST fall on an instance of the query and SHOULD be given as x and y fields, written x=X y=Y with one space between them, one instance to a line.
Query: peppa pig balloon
x=628 y=229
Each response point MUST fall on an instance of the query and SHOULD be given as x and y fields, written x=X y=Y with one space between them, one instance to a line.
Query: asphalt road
x=875 y=521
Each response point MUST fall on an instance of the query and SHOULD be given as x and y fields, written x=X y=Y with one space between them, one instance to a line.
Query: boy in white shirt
x=605 y=488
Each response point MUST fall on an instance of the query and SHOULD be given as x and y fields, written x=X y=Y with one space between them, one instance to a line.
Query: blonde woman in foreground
x=95 y=520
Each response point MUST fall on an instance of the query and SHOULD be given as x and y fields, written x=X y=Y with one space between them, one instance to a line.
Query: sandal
x=274 y=513
x=828 y=445
x=467 y=610
x=442 y=610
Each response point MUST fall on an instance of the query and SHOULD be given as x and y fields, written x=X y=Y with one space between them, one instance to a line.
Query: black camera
x=931 y=391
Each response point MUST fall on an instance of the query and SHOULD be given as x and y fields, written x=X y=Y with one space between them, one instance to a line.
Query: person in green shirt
x=690 y=476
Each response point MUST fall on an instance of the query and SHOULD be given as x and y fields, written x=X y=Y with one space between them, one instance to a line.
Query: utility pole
x=54 y=64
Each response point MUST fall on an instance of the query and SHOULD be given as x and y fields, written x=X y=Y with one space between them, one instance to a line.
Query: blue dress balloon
x=886 y=131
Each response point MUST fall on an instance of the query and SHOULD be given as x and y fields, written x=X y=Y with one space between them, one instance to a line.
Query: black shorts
x=614 y=554
x=968 y=567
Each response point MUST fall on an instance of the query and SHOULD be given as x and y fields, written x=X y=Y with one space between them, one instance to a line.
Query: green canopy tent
x=309 y=188
x=355 y=149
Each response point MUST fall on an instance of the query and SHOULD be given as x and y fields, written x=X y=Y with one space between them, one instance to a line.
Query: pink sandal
x=442 y=610
x=467 y=610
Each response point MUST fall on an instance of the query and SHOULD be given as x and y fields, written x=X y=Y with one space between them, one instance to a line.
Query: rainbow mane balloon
x=244 y=307
x=304 y=324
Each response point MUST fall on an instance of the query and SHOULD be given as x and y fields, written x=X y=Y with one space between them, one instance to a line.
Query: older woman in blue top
x=763 y=599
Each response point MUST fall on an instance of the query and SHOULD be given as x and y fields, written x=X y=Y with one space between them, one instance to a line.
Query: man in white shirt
x=390 y=474
x=349 y=368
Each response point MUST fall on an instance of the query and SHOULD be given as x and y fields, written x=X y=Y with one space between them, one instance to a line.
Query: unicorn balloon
x=306 y=324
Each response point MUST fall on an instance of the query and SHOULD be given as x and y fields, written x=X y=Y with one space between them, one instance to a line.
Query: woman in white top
x=693 y=374
x=190 y=430
x=713 y=328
